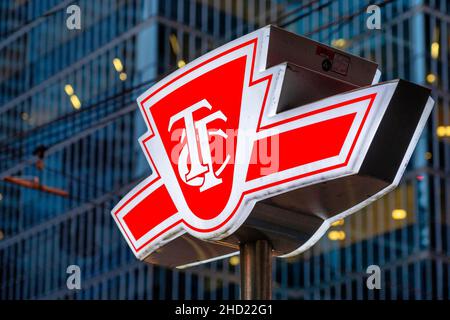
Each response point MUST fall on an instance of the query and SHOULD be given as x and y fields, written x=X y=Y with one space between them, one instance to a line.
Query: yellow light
x=123 y=76
x=75 y=101
x=435 y=50
x=339 y=43
x=118 y=64
x=447 y=129
x=431 y=78
x=25 y=116
x=174 y=44
x=399 y=214
x=428 y=155
x=181 y=63
x=441 y=131
x=337 y=223
x=234 y=261
x=335 y=235
x=68 y=89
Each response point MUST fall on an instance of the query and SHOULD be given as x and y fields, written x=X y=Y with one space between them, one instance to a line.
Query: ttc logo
x=217 y=145
x=201 y=167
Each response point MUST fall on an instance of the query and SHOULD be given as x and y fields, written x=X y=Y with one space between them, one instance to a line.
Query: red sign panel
x=216 y=144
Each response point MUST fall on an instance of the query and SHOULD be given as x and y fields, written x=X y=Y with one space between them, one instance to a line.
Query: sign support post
x=256 y=270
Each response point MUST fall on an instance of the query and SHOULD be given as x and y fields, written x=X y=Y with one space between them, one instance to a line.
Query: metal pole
x=256 y=270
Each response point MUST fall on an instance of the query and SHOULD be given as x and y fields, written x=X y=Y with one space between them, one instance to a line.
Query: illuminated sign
x=239 y=126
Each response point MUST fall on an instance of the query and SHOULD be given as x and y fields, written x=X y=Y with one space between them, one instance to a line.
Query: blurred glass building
x=406 y=233
x=69 y=151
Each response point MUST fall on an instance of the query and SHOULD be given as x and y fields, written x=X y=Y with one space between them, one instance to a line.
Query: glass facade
x=70 y=94
x=406 y=233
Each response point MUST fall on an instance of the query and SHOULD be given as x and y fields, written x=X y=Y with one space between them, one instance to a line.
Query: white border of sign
x=369 y=113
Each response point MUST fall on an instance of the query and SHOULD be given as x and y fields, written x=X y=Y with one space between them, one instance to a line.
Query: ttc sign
x=270 y=136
